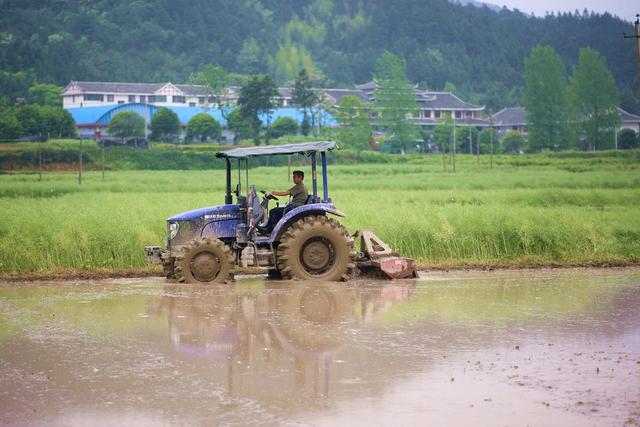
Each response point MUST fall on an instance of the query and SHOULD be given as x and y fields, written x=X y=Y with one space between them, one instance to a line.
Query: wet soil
x=526 y=347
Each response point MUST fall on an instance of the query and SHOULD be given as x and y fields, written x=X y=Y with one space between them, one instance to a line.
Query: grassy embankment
x=555 y=209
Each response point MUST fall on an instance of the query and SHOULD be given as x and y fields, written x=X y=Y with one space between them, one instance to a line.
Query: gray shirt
x=299 y=195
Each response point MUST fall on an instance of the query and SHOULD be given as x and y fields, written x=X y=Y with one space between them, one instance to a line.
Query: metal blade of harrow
x=378 y=258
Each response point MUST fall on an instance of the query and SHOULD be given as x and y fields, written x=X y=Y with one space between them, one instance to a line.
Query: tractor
x=207 y=245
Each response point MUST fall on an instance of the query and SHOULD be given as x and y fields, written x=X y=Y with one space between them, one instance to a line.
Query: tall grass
x=527 y=210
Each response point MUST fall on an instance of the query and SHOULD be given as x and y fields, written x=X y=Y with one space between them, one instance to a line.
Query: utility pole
x=636 y=35
x=490 y=140
x=80 y=164
x=453 y=143
x=477 y=148
x=40 y=160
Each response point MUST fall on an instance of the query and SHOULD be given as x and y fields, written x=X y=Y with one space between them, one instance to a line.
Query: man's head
x=298 y=176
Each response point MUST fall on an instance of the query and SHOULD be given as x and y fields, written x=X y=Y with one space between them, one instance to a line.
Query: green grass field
x=548 y=209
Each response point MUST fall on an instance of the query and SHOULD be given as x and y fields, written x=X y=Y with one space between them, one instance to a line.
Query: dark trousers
x=275 y=215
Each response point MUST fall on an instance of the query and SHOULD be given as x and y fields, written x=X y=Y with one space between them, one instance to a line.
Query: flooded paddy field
x=548 y=347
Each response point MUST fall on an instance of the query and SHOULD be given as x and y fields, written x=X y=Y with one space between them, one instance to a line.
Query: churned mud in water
x=545 y=348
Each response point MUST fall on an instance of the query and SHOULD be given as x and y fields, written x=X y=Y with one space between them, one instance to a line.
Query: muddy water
x=549 y=348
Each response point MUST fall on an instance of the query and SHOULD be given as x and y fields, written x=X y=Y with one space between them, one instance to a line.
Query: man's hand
x=268 y=193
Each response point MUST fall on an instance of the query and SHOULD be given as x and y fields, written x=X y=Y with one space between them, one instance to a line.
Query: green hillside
x=479 y=50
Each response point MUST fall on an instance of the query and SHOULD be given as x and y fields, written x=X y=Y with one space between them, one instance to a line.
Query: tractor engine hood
x=211 y=213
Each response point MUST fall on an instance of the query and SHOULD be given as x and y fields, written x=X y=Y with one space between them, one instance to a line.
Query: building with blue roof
x=93 y=104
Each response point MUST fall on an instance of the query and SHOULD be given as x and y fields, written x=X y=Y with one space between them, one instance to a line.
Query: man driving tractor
x=298 y=194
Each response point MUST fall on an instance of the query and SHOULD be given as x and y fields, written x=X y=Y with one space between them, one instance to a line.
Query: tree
x=239 y=125
x=215 y=82
x=56 y=122
x=304 y=95
x=126 y=123
x=31 y=120
x=165 y=124
x=462 y=139
x=595 y=96
x=45 y=94
x=513 y=142
x=249 y=56
x=283 y=126
x=395 y=100
x=443 y=133
x=485 y=140
x=627 y=138
x=10 y=127
x=14 y=85
x=305 y=126
x=202 y=127
x=546 y=100
x=355 y=129
x=289 y=59
x=46 y=121
x=257 y=96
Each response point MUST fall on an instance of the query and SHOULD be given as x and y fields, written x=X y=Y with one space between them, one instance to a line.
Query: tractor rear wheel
x=316 y=248
x=207 y=260
x=168 y=268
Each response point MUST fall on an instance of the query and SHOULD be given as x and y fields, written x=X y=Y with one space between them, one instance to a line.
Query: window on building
x=109 y=98
x=132 y=98
x=73 y=98
x=201 y=100
x=458 y=114
x=179 y=99
x=142 y=99
x=94 y=97
x=437 y=114
x=192 y=104
x=157 y=98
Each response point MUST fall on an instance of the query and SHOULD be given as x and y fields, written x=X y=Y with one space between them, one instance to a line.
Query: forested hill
x=479 y=50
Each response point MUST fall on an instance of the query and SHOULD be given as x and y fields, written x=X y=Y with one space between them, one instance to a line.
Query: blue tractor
x=206 y=245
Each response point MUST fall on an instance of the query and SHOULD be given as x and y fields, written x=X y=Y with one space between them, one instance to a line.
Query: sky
x=625 y=9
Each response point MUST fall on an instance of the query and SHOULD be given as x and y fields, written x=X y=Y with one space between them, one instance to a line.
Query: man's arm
x=281 y=193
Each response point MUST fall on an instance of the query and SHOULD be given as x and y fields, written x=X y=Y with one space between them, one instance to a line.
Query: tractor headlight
x=173 y=229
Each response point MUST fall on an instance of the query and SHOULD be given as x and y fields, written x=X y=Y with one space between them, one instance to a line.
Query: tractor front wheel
x=316 y=248
x=207 y=260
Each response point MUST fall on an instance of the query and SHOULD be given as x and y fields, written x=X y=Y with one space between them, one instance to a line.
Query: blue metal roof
x=103 y=114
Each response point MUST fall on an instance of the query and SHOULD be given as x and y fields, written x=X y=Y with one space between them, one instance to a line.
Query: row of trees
x=569 y=112
x=35 y=122
x=563 y=112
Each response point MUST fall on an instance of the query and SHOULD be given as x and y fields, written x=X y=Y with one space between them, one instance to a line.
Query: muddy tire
x=168 y=268
x=316 y=248
x=207 y=261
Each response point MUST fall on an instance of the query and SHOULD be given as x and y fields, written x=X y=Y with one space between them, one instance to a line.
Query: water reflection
x=287 y=333
x=544 y=348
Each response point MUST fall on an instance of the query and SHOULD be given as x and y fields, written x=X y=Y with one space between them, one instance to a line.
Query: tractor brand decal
x=222 y=216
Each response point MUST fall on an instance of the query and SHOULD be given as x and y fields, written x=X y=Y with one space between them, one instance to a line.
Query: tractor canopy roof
x=273 y=150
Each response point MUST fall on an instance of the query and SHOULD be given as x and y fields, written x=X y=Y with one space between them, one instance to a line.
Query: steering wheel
x=270 y=196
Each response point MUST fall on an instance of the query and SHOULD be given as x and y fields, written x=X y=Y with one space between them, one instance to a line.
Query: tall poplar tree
x=595 y=97
x=304 y=96
x=546 y=100
x=395 y=100
x=257 y=96
x=355 y=130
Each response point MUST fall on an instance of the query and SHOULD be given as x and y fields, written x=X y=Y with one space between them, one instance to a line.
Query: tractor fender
x=301 y=211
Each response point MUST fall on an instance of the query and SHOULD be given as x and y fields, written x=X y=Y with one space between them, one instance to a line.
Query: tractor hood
x=212 y=213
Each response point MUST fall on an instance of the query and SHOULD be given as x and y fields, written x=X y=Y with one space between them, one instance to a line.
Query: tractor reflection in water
x=258 y=341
